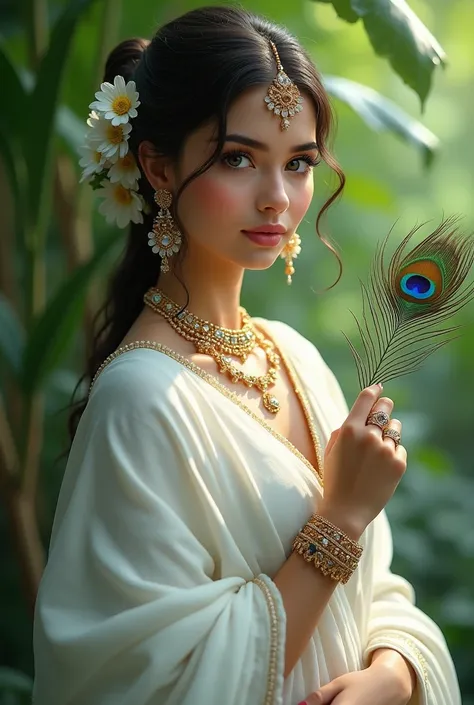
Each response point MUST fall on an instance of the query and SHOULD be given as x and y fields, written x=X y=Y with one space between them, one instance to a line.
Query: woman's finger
x=325 y=695
x=385 y=405
x=394 y=425
x=312 y=699
x=363 y=404
x=332 y=440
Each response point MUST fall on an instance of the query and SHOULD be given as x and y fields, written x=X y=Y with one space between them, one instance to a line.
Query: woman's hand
x=361 y=468
x=380 y=684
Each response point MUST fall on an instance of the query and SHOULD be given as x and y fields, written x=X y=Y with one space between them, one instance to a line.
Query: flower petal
x=119 y=83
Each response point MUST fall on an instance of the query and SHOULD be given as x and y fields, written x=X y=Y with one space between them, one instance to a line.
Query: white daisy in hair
x=92 y=117
x=118 y=101
x=110 y=140
x=120 y=205
x=125 y=171
x=92 y=162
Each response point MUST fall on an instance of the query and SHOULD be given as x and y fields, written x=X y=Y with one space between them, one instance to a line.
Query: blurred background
x=405 y=108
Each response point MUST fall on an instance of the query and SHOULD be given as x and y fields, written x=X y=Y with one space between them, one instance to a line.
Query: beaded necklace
x=219 y=343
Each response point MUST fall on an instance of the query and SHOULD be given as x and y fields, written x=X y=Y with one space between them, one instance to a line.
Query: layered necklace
x=219 y=343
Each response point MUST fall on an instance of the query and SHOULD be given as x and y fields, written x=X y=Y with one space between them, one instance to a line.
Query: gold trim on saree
x=410 y=651
x=274 y=641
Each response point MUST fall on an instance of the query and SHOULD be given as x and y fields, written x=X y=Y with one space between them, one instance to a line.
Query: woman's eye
x=236 y=161
x=301 y=164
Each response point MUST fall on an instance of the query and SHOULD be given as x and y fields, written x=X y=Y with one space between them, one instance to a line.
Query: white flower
x=125 y=171
x=118 y=102
x=292 y=248
x=92 y=117
x=120 y=205
x=111 y=140
x=93 y=162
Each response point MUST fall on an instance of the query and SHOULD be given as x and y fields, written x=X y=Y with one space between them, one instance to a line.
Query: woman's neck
x=213 y=295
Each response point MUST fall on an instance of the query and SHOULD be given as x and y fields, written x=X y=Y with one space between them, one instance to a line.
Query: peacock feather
x=404 y=304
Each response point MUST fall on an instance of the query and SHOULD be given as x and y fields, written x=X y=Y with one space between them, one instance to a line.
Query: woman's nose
x=273 y=196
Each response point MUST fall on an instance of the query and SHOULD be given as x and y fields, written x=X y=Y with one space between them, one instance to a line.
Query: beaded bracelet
x=330 y=549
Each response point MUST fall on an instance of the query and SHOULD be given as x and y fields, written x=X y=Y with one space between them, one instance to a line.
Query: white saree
x=177 y=507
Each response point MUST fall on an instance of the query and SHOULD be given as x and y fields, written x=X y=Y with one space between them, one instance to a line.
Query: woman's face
x=263 y=177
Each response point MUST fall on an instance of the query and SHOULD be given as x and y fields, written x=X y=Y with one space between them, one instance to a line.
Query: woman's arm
x=305 y=593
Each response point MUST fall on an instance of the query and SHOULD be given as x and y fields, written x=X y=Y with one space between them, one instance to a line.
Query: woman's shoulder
x=143 y=372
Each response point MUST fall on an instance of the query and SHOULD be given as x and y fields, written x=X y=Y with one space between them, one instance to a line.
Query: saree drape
x=177 y=507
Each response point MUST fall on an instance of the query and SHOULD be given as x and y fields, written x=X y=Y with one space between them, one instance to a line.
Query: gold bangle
x=334 y=535
x=328 y=548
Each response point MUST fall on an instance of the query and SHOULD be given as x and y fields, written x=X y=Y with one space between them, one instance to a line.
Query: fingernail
x=303 y=702
x=380 y=385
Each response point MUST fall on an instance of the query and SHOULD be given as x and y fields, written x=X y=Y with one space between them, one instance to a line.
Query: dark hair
x=190 y=72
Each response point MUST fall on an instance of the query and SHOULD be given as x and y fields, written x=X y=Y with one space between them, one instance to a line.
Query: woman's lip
x=267 y=239
x=268 y=230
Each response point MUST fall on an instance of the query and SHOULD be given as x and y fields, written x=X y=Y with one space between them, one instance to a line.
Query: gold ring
x=393 y=434
x=378 y=418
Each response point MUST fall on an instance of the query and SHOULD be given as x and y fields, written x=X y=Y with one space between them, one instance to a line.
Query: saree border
x=275 y=641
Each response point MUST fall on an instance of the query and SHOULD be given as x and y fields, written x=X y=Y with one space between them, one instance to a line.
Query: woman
x=195 y=557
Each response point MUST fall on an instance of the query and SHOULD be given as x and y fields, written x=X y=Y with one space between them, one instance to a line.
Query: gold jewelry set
x=219 y=343
x=319 y=542
x=382 y=420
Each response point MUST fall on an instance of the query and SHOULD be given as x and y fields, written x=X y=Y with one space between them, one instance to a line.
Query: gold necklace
x=219 y=343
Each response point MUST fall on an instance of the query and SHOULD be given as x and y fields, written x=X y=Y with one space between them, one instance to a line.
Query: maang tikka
x=283 y=96
x=165 y=238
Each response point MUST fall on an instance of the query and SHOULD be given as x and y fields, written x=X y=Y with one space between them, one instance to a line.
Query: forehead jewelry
x=283 y=97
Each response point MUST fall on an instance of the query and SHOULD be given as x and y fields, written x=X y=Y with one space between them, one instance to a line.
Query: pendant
x=271 y=403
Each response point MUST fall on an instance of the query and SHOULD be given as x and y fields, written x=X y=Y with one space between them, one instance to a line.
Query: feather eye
x=420 y=282
x=404 y=304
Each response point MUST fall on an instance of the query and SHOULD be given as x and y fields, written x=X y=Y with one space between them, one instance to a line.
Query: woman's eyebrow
x=250 y=142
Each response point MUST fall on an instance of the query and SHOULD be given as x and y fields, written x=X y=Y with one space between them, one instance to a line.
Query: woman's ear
x=157 y=167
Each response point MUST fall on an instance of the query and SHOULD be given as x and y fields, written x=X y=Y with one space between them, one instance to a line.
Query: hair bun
x=123 y=59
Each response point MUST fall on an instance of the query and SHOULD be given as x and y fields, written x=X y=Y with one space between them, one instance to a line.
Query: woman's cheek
x=217 y=197
x=301 y=201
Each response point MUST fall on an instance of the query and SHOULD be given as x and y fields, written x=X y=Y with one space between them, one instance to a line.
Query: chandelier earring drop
x=290 y=252
x=165 y=238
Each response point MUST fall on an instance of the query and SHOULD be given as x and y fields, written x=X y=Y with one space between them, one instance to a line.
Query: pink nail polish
x=303 y=702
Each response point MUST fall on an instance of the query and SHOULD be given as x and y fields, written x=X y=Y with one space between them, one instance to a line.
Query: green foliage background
x=387 y=183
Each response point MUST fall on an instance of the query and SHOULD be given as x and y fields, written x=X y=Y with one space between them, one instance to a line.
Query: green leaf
x=13 y=162
x=380 y=114
x=14 y=110
x=70 y=128
x=14 y=681
x=343 y=9
x=53 y=330
x=12 y=336
x=397 y=34
x=45 y=95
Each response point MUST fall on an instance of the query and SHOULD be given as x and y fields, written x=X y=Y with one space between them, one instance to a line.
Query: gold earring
x=290 y=252
x=165 y=238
